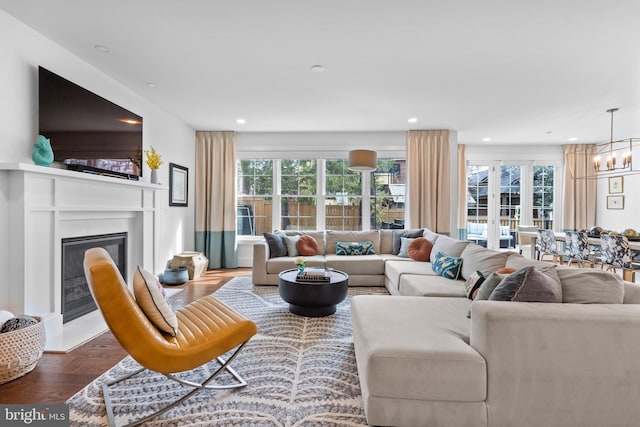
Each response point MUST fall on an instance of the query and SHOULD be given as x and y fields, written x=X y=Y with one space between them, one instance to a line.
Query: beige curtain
x=429 y=181
x=580 y=187
x=462 y=192
x=215 y=202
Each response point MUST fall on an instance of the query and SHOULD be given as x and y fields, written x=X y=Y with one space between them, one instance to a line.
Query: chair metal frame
x=224 y=365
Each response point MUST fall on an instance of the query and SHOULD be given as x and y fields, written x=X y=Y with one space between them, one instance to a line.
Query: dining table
x=561 y=237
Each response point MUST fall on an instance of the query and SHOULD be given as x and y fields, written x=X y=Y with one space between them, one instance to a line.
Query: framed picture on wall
x=178 y=185
x=615 y=202
x=616 y=184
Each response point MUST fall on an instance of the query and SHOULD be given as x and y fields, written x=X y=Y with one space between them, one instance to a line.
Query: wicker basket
x=21 y=350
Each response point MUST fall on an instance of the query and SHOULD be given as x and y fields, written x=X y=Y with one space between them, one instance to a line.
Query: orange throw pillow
x=505 y=270
x=420 y=249
x=307 y=246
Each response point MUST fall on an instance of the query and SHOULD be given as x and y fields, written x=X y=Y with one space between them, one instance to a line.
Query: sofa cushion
x=486 y=261
x=356 y=264
x=277 y=246
x=398 y=234
x=355 y=248
x=580 y=285
x=420 y=249
x=416 y=348
x=292 y=245
x=307 y=245
x=590 y=286
x=430 y=235
x=276 y=265
x=530 y=284
x=352 y=236
x=448 y=246
x=430 y=286
x=447 y=266
x=394 y=269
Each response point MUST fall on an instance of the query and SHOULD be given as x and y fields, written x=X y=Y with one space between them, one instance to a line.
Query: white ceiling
x=517 y=71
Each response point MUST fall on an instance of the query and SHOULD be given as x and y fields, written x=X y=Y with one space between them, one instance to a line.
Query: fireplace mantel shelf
x=26 y=167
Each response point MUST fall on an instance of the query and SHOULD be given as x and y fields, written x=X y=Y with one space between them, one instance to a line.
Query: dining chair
x=524 y=242
x=616 y=253
x=207 y=329
x=547 y=246
x=578 y=249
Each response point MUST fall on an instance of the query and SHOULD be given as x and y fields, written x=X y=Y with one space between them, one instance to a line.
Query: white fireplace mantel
x=41 y=206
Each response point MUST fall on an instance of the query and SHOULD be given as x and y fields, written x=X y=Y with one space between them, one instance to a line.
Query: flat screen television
x=87 y=132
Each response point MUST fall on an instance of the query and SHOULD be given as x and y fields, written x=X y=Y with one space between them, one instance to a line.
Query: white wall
x=22 y=50
x=614 y=219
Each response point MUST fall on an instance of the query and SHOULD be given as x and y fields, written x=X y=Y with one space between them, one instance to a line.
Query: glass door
x=503 y=195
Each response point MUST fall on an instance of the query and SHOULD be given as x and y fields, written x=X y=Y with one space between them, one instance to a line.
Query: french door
x=502 y=195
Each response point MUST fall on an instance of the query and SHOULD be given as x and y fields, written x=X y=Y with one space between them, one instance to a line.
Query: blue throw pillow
x=355 y=248
x=446 y=266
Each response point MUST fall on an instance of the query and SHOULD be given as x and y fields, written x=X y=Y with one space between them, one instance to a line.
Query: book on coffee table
x=313 y=274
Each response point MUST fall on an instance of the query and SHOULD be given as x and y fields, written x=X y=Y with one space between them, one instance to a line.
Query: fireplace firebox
x=76 y=297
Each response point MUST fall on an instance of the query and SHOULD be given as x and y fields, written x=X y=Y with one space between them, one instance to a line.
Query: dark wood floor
x=58 y=376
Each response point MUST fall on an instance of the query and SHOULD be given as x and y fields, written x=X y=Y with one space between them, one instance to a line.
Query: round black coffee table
x=313 y=299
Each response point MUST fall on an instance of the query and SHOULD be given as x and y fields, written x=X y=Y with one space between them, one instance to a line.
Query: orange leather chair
x=207 y=329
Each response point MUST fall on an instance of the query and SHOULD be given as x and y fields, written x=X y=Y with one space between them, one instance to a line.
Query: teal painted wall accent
x=219 y=246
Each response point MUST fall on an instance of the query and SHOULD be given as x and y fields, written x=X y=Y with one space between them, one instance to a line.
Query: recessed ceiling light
x=241 y=121
x=573 y=138
x=486 y=139
x=413 y=120
x=317 y=68
x=151 y=84
x=548 y=132
x=101 y=48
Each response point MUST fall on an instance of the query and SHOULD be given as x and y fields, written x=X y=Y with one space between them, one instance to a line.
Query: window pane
x=254 y=195
x=543 y=179
x=509 y=204
x=343 y=201
x=388 y=183
x=298 y=186
x=298 y=213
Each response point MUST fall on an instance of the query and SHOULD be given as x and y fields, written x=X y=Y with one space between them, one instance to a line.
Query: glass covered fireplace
x=76 y=297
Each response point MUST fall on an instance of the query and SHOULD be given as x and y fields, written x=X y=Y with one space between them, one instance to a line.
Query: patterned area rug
x=301 y=371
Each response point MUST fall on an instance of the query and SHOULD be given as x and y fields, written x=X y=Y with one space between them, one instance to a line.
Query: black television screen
x=86 y=129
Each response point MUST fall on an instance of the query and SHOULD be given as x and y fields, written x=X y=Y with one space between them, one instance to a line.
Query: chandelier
x=612 y=150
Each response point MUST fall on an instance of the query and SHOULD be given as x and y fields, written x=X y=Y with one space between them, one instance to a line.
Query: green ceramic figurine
x=42 y=153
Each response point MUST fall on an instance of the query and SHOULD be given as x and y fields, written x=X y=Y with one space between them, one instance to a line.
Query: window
x=255 y=189
x=314 y=194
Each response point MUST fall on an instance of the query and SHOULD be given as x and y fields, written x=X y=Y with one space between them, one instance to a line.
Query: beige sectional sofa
x=422 y=361
x=363 y=270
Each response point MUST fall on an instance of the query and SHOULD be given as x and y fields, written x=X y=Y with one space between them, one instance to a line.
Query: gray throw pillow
x=277 y=246
x=398 y=234
x=530 y=284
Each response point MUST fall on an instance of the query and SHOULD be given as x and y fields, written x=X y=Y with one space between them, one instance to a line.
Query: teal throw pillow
x=446 y=266
x=355 y=248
